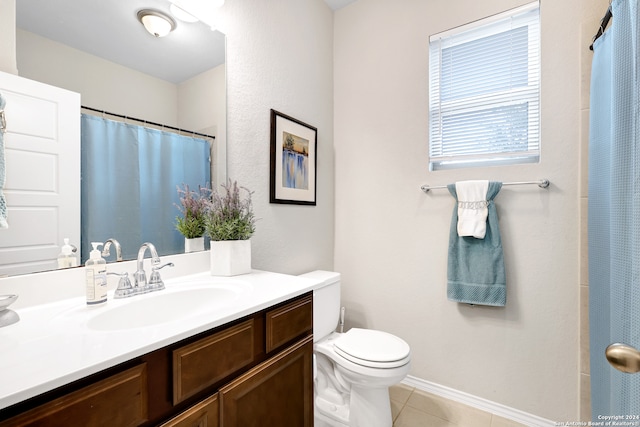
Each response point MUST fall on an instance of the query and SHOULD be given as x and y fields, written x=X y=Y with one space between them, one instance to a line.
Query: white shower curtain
x=614 y=210
x=129 y=179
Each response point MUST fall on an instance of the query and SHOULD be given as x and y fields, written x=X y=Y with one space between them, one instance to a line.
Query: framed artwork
x=293 y=161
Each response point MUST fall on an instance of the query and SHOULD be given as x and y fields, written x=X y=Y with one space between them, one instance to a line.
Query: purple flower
x=193 y=206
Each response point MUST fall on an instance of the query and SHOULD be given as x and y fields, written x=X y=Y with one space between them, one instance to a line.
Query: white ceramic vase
x=230 y=257
x=193 y=245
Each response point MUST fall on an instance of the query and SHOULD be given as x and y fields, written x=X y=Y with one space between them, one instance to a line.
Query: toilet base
x=342 y=402
x=320 y=420
x=370 y=407
x=367 y=407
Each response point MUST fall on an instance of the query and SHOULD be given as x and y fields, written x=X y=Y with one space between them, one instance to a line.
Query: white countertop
x=54 y=343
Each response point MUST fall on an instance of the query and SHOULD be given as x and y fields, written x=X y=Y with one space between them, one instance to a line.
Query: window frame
x=524 y=16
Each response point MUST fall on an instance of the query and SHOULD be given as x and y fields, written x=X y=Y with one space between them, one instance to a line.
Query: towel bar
x=542 y=183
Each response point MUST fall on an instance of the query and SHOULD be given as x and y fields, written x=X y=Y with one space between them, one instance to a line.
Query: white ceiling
x=110 y=29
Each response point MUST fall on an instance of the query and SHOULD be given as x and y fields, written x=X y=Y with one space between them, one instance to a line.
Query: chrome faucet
x=140 y=277
x=107 y=245
x=140 y=286
x=155 y=283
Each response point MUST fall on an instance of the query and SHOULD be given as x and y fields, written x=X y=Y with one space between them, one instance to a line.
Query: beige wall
x=102 y=84
x=198 y=104
x=8 y=36
x=202 y=106
x=202 y=100
x=391 y=238
x=280 y=56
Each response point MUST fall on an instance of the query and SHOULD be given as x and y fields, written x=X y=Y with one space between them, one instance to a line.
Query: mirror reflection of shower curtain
x=129 y=179
x=614 y=210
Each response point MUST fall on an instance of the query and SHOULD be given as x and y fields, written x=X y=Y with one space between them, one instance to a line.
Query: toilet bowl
x=353 y=370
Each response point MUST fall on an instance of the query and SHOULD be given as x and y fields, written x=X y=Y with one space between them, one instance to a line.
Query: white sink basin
x=164 y=306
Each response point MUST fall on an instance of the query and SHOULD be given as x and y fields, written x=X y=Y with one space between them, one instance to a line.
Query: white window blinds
x=484 y=92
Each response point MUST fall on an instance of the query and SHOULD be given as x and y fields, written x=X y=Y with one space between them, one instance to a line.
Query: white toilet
x=353 y=370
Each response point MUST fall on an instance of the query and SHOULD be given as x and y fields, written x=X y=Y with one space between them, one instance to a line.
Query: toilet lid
x=380 y=348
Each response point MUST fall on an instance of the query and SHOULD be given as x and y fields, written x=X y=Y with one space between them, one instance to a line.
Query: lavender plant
x=230 y=216
x=193 y=206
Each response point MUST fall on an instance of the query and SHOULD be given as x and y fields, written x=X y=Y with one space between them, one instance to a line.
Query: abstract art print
x=293 y=161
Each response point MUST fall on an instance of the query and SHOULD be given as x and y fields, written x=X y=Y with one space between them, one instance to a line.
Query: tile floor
x=416 y=408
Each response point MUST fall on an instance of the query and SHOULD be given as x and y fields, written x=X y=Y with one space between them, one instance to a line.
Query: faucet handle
x=124 y=286
x=155 y=281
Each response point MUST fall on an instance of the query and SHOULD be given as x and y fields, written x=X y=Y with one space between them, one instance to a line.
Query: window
x=484 y=92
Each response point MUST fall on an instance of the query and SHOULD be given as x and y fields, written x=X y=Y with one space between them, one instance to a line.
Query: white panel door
x=42 y=162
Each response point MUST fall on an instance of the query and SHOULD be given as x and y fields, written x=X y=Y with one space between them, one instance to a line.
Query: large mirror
x=100 y=49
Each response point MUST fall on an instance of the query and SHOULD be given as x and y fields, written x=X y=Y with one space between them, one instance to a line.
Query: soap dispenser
x=96 y=273
x=67 y=258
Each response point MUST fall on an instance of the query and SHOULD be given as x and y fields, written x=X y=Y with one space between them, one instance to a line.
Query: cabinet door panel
x=276 y=393
x=289 y=322
x=120 y=400
x=203 y=414
x=201 y=364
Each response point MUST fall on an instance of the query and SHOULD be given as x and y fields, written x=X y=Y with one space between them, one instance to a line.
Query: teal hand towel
x=475 y=267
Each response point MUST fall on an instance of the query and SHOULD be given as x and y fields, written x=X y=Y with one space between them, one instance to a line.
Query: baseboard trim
x=478 y=402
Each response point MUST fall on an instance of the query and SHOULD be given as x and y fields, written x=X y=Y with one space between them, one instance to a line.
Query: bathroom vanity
x=246 y=361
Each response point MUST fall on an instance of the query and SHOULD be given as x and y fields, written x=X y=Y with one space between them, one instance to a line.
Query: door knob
x=623 y=357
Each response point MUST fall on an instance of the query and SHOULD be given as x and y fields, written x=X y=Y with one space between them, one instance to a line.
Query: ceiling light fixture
x=156 y=23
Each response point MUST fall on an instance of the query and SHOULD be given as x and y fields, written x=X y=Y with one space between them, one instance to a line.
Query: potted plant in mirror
x=191 y=224
x=230 y=223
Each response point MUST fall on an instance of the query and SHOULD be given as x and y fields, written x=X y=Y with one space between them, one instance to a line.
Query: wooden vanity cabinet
x=278 y=392
x=118 y=400
x=289 y=321
x=203 y=414
x=231 y=350
x=256 y=371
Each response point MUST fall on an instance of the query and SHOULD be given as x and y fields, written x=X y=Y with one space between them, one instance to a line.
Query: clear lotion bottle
x=96 y=271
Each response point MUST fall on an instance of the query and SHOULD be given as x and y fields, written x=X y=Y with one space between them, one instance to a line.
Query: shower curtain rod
x=603 y=24
x=542 y=183
x=148 y=122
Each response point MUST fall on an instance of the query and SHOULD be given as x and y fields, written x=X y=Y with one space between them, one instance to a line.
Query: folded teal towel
x=475 y=269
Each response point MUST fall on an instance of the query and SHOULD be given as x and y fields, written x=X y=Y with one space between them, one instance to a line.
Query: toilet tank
x=326 y=302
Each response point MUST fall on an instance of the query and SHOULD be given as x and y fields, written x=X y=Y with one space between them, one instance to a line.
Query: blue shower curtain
x=614 y=210
x=129 y=179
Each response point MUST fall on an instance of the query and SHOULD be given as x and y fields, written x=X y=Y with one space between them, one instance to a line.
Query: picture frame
x=293 y=161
